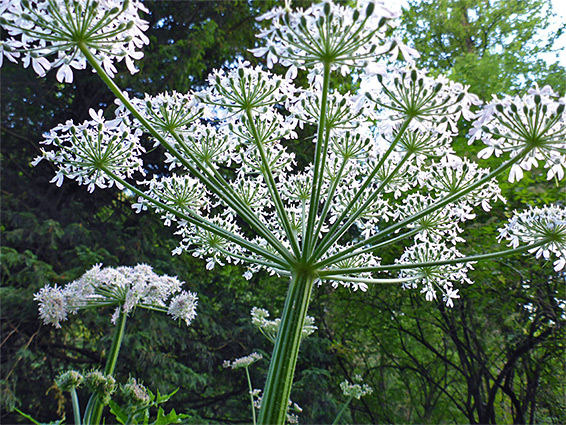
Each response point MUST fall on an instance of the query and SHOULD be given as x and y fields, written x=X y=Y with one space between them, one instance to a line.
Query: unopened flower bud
x=103 y=385
x=370 y=9
x=135 y=393
x=68 y=380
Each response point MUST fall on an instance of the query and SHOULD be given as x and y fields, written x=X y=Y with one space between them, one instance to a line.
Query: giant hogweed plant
x=383 y=173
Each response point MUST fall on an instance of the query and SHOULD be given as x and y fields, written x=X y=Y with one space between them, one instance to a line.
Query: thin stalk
x=328 y=274
x=337 y=229
x=341 y=412
x=202 y=223
x=96 y=414
x=319 y=160
x=437 y=205
x=268 y=176
x=251 y=393
x=277 y=390
x=231 y=195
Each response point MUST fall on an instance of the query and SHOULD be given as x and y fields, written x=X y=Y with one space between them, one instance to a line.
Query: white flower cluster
x=422 y=260
x=327 y=32
x=245 y=361
x=532 y=128
x=124 y=287
x=95 y=152
x=544 y=227
x=51 y=33
x=269 y=328
x=383 y=171
x=357 y=389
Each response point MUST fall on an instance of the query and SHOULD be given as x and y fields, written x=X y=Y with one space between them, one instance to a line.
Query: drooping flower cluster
x=544 y=227
x=50 y=34
x=124 y=288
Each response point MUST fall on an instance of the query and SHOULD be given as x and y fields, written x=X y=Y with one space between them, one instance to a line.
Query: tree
x=492 y=45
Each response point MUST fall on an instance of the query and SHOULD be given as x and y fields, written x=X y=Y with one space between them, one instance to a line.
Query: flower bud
x=103 y=385
x=560 y=109
x=370 y=9
x=134 y=393
x=68 y=380
x=326 y=9
x=499 y=108
x=413 y=75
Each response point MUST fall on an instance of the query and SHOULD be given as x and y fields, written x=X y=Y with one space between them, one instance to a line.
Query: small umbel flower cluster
x=124 y=288
x=52 y=34
x=544 y=228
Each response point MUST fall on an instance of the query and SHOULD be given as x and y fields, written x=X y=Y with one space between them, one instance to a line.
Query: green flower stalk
x=383 y=174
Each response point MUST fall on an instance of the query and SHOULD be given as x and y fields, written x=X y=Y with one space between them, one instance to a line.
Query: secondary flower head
x=340 y=36
x=51 y=33
x=433 y=277
x=532 y=126
x=124 y=288
x=88 y=152
x=357 y=389
x=245 y=361
x=544 y=227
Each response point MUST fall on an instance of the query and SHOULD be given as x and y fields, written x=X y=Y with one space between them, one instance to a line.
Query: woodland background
x=496 y=357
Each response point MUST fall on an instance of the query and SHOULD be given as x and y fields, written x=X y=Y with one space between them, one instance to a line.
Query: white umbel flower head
x=50 y=34
x=533 y=126
x=545 y=227
x=125 y=288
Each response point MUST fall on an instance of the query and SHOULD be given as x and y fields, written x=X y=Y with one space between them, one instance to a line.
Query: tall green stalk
x=284 y=359
x=96 y=413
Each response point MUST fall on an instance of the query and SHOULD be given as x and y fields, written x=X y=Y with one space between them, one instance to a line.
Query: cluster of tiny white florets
x=124 y=288
x=535 y=122
x=420 y=259
x=384 y=167
x=245 y=361
x=357 y=389
x=326 y=32
x=269 y=328
x=90 y=151
x=545 y=227
x=48 y=34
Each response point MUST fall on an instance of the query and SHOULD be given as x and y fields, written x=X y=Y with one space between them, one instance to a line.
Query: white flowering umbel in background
x=125 y=289
x=383 y=171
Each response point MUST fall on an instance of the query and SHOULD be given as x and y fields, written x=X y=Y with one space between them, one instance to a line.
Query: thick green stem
x=76 y=406
x=96 y=413
x=282 y=366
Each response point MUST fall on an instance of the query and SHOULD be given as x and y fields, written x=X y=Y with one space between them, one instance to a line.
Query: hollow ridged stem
x=277 y=390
